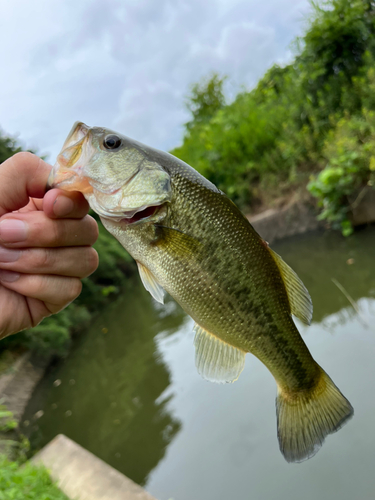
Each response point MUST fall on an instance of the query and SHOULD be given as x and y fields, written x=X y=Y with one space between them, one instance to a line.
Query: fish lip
x=52 y=182
x=77 y=136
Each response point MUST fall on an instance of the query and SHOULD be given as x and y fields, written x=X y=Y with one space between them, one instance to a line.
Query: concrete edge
x=83 y=476
x=18 y=386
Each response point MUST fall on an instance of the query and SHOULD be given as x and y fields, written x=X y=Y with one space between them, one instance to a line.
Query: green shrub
x=7 y=422
x=350 y=153
x=26 y=483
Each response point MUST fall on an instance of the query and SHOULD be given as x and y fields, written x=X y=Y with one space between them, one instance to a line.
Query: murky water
x=130 y=393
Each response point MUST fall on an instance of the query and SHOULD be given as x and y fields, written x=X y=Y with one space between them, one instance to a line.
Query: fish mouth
x=132 y=216
x=74 y=153
x=141 y=215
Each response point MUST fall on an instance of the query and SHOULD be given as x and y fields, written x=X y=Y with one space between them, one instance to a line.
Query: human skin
x=46 y=243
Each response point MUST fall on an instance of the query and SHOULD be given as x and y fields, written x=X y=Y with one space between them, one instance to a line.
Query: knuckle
x=74 y=289
x=43 y=259
x=23 y=162
x=92 y=261
x=24 y=157
x=93 y=228
x=59 y=232
x=36 y=285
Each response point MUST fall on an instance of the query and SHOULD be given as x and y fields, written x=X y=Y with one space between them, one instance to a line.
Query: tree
x=333 y=52
x=8 y=147
x=205 y=99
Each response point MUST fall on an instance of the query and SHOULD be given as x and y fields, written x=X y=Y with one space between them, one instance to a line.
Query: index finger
x=59 y=204
x=22 y=176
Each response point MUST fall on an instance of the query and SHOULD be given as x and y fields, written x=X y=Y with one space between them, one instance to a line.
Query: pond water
x=130 y=394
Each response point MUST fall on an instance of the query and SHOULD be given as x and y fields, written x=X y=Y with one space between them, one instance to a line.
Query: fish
x=191 y=241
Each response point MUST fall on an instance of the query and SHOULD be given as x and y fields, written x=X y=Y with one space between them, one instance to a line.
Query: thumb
x=22 y=176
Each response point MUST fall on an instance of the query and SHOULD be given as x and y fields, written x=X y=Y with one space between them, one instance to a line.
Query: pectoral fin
x=216 y=360
x=299 y=298
x=150 y=283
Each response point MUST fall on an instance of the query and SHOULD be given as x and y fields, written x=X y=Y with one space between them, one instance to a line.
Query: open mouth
x=141 y=215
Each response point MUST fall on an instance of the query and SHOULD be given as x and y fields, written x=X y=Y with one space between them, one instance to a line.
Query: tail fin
x=304 y=419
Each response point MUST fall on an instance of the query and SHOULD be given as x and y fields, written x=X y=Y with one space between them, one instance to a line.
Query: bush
x=26 y=483
x=350 y=153
x=7 y=422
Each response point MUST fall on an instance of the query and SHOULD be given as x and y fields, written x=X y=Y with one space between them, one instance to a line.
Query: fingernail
x=8 y=255
x=13 y=230
x=63 y=206
x=8 y=276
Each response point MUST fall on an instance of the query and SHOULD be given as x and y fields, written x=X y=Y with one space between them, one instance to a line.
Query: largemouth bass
x=190 y=240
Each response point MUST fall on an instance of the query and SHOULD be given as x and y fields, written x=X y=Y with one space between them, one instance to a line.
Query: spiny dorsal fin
x=299 y=298
x=216 y=360
x=150 y=283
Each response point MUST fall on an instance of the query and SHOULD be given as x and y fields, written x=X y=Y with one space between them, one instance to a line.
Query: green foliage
x=8 y=147
x=307 y=116
x=205 y=99
x=339 y=34
x=350 y=151
x=26 y=483
x=7 y=421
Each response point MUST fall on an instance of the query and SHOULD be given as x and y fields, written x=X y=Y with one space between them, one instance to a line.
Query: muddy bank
x=296 y=217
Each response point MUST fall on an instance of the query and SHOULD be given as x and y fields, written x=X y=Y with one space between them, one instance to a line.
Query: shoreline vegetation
x=306 y=130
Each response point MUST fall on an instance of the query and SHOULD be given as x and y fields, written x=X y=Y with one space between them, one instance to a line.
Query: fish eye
x=112 y=141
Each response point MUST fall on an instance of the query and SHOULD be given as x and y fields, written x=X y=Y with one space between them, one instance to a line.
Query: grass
x=26 y=482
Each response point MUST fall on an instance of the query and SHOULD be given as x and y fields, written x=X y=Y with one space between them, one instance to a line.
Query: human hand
x=45 y=244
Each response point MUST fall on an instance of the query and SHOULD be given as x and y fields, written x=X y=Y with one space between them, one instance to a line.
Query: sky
x=129 y=64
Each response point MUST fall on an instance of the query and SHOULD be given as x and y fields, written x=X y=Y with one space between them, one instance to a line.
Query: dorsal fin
x=299 y=298
x=150 y=283
x=216 y=360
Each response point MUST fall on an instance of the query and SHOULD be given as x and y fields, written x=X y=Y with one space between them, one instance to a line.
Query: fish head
x=113 y=172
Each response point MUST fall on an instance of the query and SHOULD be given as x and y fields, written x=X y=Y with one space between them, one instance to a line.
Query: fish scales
x=189 y=239
x=241 y=294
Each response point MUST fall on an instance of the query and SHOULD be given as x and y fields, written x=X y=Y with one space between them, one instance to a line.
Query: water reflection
x=319 y=257
x=108 y=398
x=138 y=403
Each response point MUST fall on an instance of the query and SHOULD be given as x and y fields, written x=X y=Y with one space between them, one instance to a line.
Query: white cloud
x=128 y=64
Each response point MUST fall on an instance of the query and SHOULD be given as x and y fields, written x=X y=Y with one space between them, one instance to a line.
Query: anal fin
x=150 y=283
x=216 y=360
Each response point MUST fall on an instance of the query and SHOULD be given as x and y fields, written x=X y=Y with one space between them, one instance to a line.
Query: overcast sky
x=127 y=64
